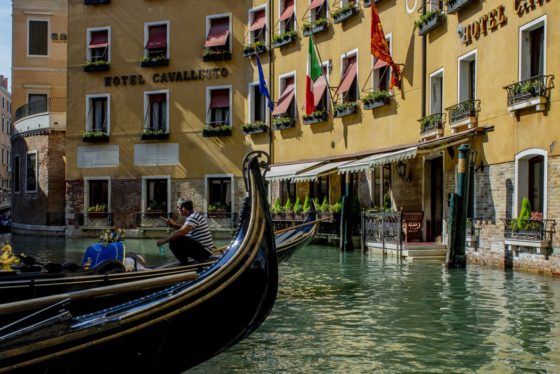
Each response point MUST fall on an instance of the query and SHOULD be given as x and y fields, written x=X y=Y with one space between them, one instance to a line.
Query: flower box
x=315 y=27
x=154 y=62
x=453 y=6
x=283 y=39
x=152 y=135
x=216 y=55
x=254 y=128
x=95 y=138
x=91 y=68
x=372 y=104
x=532 y=92
x=254 y=49
x=214 y=131
x=346 y=109
x=344 y=13
x=283 y=123
x=315 y=117
x=429 y=22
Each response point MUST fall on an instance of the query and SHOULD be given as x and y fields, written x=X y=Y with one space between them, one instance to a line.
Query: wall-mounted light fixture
x=402 y=172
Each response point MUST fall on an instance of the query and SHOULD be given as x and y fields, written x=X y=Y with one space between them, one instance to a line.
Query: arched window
x=531 y=180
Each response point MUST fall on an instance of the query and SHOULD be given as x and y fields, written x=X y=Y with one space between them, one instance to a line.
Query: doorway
x=436 y=200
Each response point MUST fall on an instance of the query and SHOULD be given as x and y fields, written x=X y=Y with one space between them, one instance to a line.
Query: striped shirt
x=201 y=231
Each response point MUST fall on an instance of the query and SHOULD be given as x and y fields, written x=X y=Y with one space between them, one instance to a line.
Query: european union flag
x=262 y=85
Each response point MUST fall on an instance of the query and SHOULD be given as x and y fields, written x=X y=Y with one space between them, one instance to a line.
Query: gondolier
x=193 y=239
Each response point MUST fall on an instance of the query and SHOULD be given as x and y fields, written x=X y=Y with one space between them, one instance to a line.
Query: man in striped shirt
x=193 y=239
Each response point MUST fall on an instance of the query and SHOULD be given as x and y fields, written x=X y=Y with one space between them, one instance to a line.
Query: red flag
x=380 y=48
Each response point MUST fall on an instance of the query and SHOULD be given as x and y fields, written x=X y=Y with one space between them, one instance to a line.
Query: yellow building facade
x=165 y=101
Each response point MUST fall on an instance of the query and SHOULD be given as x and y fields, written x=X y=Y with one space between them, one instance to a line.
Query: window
x=97 y=195
x=31 y=172
x=467 y=74
x=37 y=103
x=382 y=70
x=98 y=45
x=98 y=113
x=219 y=194
x=218 y=113
x=3 y=123
x=156 y=194
x=532 y=51
x=3 y=103
x=531 y=180
x=287 y=18
x=257 y=25
x=156 y=109
x=347 y=91
x=287 y=191
x=16 y=173
x=157 y=37
x=320 y=89
x=436 y=5
x=3 y=159
x=319 y=189
x=286 y=106
x=38 y=38
x=218 y=32
x=317 y=10
x=436 y=92
x=257 y=104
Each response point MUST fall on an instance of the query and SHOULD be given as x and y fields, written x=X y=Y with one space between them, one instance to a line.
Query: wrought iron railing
x=463 y=110
x=527 y=89
x=529 y=229
x=382 y=227
x=52 y=105
x=151 y=219
x=95 y=219
x=431 y=123
x=222 y=220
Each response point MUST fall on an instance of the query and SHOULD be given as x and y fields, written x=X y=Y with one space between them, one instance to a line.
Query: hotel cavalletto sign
x=166 y=77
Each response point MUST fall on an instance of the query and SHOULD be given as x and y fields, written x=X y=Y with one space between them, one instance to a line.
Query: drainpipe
x=270 y=82
x=424 y=47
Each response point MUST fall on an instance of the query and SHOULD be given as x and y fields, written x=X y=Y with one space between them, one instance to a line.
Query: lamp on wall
x=402 y=172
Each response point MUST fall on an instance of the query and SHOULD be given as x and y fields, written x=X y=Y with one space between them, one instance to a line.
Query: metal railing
x=151 y=219
x=52 y=105
x=529 y=229
x=382 y=227
x=95 y=219
x=431 y=123
x=463 y=110
x=222 y=220
x=527 y=89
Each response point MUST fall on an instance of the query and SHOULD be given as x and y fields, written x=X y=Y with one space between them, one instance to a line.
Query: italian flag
x=314 y=71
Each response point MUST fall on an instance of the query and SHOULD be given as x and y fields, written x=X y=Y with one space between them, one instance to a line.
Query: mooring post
x=458 y=210
x=345 y=218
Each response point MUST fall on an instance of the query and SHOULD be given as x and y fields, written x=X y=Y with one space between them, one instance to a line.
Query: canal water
x=362 y=313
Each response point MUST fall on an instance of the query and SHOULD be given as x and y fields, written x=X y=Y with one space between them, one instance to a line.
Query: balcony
x=344 y=13
x=463 y=113
x=317 y=116
x=315 y=27
x=216 y=54
x=453 y=6
x=431 y=125
x=288 y=37
x=95 y=219
x=283 y=122
x=429 y=21
x=95 y=2
x=256 y=127
x=254 y=49
x=529 y=233
x=529 y=93
x=152 y=219
x=40 y=116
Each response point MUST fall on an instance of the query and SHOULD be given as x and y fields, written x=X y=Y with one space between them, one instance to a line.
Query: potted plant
x=344 y=12
x=315 y=27
x=343 y=109
x=281 y=123
x=288 y=209
x=95 y=136
x=97 y=211
x=220 y=130
x=284 y=38
x=96 y=65
x=429 y=20
x=153 y=61
x=276 y=210
x=315 y=117
x=254 y=48
x=149 y=134
x=254 y=128
x=216 y=54
x=376 y=99
x=430 y=123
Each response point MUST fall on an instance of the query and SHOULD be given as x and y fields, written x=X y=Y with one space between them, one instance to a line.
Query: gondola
x=135 y=327
x=289 y=240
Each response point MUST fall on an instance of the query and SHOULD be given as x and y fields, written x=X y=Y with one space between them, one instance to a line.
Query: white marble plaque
x=98 y=156
x=156 y=154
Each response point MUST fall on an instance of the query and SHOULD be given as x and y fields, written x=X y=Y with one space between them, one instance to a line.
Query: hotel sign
x=166 y=77
x=487 y=22
x=526 y=6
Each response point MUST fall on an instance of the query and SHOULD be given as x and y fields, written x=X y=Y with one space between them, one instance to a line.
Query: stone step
x=424 y=252
x=427 y=258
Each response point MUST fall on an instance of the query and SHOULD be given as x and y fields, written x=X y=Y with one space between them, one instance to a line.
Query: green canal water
x=362 y=313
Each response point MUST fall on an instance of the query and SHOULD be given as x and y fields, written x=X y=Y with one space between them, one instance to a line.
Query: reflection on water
x=359 y=313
